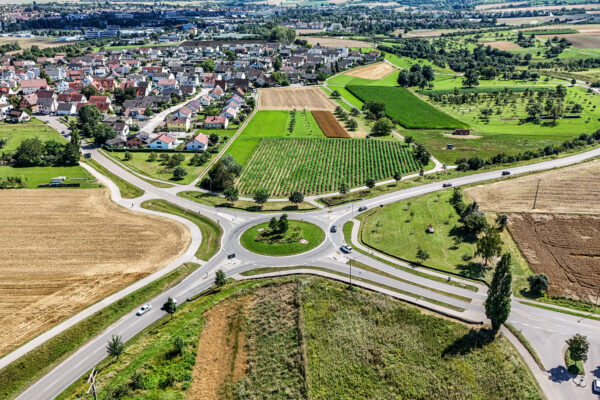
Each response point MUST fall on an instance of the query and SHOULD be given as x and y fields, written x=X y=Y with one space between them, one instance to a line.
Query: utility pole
x=536 y=193
x=596 y=303
x=92 y=381
x=350 y=272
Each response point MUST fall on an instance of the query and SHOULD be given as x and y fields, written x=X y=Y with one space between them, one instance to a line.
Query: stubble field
x=373 y=71
x=299 y=98
x=63 y=250
x=564 y=247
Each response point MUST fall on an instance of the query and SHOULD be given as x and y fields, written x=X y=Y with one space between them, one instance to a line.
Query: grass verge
x=128 y=191
x=211 y=231
x=18 y=375
x=574 y=367
x=560 y=310
x=244 y=205
x=525 y=344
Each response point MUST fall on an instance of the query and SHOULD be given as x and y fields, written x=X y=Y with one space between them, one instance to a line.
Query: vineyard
x=313 y=166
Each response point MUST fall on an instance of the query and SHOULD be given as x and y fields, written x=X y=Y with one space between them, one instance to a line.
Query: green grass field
x=406 y=108
x=345 y=80
x=268 y=123
x=297 y=230
x=312 y=166
x=310 y=338
x=127 y=190
x=16 y=133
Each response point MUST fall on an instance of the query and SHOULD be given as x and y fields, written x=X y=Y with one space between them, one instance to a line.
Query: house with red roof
x=163 y=141
x=197 y=143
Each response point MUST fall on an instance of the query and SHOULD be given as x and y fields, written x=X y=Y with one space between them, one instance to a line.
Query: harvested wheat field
x=572 y=189
x=63 y=250
x=329 y=125
x=565 y=247
x=299 y=98
x=503 y=45
x=373 y=71
x=335 y=42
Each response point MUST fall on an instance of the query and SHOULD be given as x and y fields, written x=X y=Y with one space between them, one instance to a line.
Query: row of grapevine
x=313 y=166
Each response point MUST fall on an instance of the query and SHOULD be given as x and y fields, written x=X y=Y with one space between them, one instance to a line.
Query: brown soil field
x=564 y=247
x=63 y=250
x=499 y=5
x=572 y=189
x=336 y=42
x=299 y=98
x=26 y=43
x=329 y=125
x=221 y=346
x=373 y=71
x=503 y=45
x=543 y=8
x=581 y=41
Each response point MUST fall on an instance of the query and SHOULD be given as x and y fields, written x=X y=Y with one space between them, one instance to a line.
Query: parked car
x=505 y=172
x=362 y=208
x=596 y=386
x=447 y=184
x=144 y=309
x=346 y=248
x=333 y=229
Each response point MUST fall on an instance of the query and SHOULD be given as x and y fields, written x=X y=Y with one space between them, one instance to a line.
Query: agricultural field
x=315 y=166
x=329 y=125
x=572 y=189
x=406 y=108
x=502 y=112
x=372 y=71
x=34 y=176
x=306 y=338
x=299 y=98
x=72 y=249
x=336 y=42
x=344 y=79
x=269 y=124
x=562 y=246
x=27 y=42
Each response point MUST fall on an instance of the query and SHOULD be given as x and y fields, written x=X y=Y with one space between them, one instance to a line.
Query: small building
x=198 y=143
x=216 y=122
x=163 y=141
x=462 y=132
x=17 y=116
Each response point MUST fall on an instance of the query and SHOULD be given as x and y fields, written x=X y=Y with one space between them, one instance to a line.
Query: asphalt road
x=545 y=330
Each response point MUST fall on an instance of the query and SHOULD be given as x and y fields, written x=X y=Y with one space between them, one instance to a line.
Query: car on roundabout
x=346 y=248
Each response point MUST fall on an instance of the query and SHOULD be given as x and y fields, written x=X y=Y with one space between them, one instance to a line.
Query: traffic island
x=282 y=237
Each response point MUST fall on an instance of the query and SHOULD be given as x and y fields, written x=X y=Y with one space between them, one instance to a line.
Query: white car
x=346 y=248
x=596 y=386
x=145 y=308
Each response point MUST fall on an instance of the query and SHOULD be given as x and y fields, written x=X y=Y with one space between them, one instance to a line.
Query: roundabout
x=282 y=237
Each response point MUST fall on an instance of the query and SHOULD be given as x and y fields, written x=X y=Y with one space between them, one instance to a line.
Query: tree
x=152 y=156
x=115 y=346
x=370 y=183
x=208 y=65
x=573 y=82
x=489 y=245
x=283 y=224
x=403 y=78
x=397 y=177
x=296 y=198
x=502 y=221
x=382 y=127
x=538 y=284
x=179 y=344
x=471 y=78
x=101 y=133
x=179 y=173
x=220 y=278
x=497 y=305
x=355 y=112
x=335 y=94
x=273 y=224
x=422 y=254
x=89 y=114
x=578 y=348
x=277 y=64
x=557 y=110
x=213 y=138
x=534 y=109
x=170 y=306
x=428 y=73
x=343 y=189
x=231 y=194
x=352 y=124
x=127 y=156
x=71 y=151
x=30 y=153
x=261 y=196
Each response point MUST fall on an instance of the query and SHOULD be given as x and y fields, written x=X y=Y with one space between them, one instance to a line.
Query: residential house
x=17 y=116
x=178 y=123
x=121 y=129
x=47 y=106
x=163 y=141
x=66 y=109
x=29 y=101
x=32 y=85
x=228 y=112
x=197 y=143
x=116 y=142
x=216 y=122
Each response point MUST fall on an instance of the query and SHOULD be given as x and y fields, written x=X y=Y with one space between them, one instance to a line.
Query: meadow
x=406 y=108
x=313 y=166
x=269 y=124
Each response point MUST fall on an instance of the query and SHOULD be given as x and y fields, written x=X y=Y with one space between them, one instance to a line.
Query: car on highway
x=144 y=309
x=346 y=248
x=447 y=184
x=362 y=208
x=596 y=386
x=505 y=172
x=333 y=229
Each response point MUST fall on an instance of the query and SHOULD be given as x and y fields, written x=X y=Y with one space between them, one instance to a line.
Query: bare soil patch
x=449 y=135
x=564 y=247
x=503 y=45
x=584 y=42
x=336 y=42
x=63 y=250
x=572 y=189
x=300 y=98
x=329 y=125
x=373 y=71
x=221 y=354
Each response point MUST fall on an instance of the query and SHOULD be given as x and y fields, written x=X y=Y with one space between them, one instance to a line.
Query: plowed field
x=373 y=71
x=299 y=98
x=63 y=250
x=329 y=125
x=564 y=247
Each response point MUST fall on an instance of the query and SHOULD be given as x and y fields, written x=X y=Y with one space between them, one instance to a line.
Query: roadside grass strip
x=127 y=190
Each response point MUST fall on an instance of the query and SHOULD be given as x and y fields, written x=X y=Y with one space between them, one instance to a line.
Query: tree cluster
x=222 y=174
x=416 y=76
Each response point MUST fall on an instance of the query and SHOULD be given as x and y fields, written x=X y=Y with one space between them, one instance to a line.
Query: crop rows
x=312 y=166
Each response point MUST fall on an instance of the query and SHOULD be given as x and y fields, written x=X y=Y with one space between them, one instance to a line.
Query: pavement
x=546 y=330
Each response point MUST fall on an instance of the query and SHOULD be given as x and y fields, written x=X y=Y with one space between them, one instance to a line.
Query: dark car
x=333 y=229
x=448 y=184
x=362 y=208
x=505 y=172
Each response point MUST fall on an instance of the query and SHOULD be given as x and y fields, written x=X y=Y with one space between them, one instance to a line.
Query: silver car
x=144 y=309
x=346 y=248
